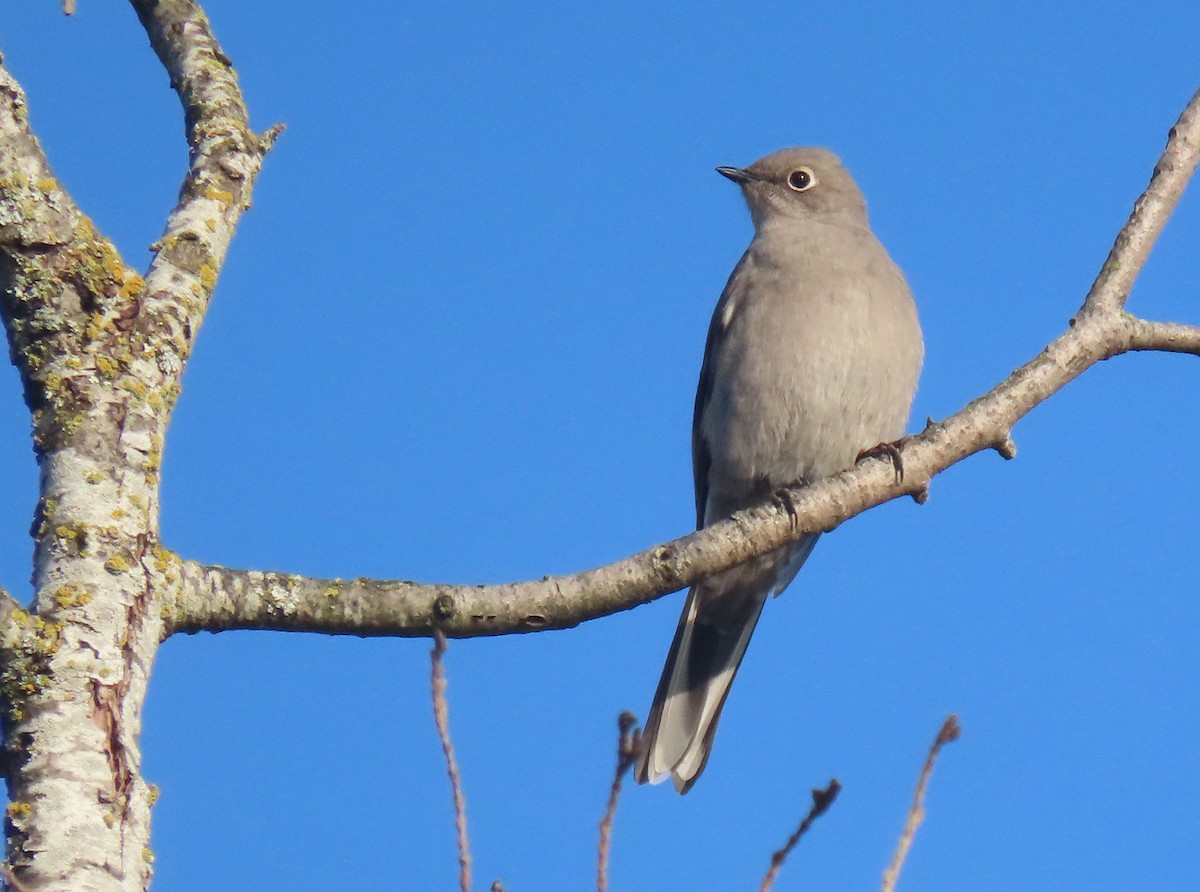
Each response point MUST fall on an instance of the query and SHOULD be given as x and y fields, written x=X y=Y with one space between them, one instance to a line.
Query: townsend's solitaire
x=812 y=357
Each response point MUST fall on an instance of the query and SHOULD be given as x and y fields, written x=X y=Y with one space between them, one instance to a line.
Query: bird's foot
x=889 y=451
x=783 y=498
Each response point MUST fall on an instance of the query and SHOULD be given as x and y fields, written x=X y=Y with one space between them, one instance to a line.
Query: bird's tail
x=702 y=662
x=710 y=641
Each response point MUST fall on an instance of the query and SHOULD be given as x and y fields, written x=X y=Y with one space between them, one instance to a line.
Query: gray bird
x=812 y=357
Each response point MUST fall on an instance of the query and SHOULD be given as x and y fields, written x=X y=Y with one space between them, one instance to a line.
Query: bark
x=101 y=348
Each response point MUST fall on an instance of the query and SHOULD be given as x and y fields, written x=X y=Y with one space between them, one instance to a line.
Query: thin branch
x=1150 y=213
x=627 y=750
x=1167 y=337
x=441 y=718
x=822 y=799
x=34 y=210
x=916 y=814
x=225 y=158
x=215 y=599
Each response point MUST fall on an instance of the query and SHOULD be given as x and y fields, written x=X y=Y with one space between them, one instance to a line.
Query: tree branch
x=100 y=352
x=1150 y=213
x=216 y=599
x=821 y=801
x=1167 y=337
x=628 y=742
x=63 y=286
x=225 y=159
x=441 y=719
x=949 y=732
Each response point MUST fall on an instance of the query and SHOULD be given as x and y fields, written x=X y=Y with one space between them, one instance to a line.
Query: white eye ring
x=802 y=179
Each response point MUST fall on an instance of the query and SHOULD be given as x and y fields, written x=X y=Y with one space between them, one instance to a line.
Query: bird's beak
x=740 y=175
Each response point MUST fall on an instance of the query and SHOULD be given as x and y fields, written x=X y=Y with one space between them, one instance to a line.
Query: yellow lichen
x=133 y=285
x=24 y=671
x=70 y=424
x=218 y=194
x=118 y=563
x=107 y=366
x=162 y=558
x=18 y=810
x=332 y=591
x=94 y=477
x=69 y=596
x=134 y=386
x=208 y=277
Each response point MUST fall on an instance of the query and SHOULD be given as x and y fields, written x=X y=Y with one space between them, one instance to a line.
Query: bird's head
x=801 y=183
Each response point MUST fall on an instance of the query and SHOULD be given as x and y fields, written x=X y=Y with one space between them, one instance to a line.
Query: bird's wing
x=721 y=318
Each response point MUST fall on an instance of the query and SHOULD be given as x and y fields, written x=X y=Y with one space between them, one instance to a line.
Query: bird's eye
x=802 y=180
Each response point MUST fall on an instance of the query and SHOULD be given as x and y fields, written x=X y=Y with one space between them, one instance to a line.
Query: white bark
x=100 y=351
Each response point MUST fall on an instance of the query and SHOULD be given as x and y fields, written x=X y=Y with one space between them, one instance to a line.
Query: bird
x=812 y=358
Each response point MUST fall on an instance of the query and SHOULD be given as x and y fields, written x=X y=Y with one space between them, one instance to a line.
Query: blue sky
x=457 y=339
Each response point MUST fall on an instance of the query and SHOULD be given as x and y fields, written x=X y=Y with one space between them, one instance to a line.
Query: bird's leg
x=889 y=451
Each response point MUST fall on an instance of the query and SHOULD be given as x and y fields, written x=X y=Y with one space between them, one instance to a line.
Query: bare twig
x=627 y=750
x=821 y=800
x=1150 y=213
x=916 y=814
x=441 y=718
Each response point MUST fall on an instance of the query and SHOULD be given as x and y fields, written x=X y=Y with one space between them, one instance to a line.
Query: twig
x=627 y=749
x=821 y=800
x=1151 y=211
x=441 y=717
x=949 y=733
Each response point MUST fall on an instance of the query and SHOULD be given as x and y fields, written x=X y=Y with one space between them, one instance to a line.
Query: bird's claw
x=889 y=451
x=784 y=498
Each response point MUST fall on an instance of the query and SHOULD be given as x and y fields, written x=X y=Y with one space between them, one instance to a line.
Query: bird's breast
x=817 y=362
